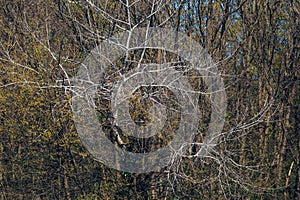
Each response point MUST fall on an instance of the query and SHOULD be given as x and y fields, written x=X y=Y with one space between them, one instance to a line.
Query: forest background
x=255 y=44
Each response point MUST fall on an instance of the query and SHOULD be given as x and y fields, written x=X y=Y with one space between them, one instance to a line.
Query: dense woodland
x=255 y=44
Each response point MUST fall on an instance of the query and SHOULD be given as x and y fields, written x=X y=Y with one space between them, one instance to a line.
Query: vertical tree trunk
x=66 y=186
x=1 y=172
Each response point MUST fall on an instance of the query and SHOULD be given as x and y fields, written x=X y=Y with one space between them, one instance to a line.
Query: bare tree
x=254 y=50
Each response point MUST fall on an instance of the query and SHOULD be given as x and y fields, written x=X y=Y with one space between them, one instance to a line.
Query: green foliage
x=256 y=45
